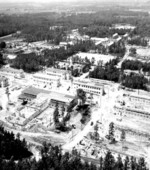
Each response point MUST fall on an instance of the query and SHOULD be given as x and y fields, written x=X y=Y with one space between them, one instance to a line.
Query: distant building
x=115 y=35
x=55 y=27
x=98 y=40
x=128 y=72
x=11 y=56
x=123 y=26
x=11 y=72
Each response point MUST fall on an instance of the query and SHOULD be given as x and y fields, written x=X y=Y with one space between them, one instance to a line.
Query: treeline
x=53 y=36
x=8 y=25
x=132 y=65
x=53 y=158
x=28 y=62
x=1 y=59
x=134 y=81
x=101 y=31
x=35 y=27
x=135 y=65
x=109 y=72
x=11 y=147
x=32 y=62
x=138 y=41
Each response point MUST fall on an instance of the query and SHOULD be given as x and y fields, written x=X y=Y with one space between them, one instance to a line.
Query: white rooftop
x=55 y=70
x=44 y=75
x=88 y=82
x=144 y=96
x=61 y=97
x=11 y=56
x=11 y=70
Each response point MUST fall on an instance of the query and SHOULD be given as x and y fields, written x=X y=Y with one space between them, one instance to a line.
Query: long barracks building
x=124 y=111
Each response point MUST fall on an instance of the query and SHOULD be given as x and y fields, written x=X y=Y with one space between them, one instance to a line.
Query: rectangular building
x=140 y=99
x=57 y=72
x=60 y=99
x=125 y=111
x=89 y=86
x=11 y=72
x=31 y=93
x=45 y=79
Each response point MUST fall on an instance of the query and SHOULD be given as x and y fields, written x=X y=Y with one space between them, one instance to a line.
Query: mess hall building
x=61 y=100
x=31 y=93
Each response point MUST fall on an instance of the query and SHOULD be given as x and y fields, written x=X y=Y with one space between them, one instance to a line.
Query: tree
x=126 y=163
x=142 y=164
x=133 y=163
x=55 y=115
x=123 y=137
x=119 y=163
x=101 y=163
x=81 y=94
x=109 y=161
x=2 y=45
x=96 y=134
x=1 y=60
x=111 y=131
x=132 y=52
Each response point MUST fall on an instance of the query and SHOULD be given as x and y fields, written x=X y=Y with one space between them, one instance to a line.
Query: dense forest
x=138 y=41
x=135 y=65
x=109 y=72
x=28 y=62
x=11 y=147
x=35 y=27
x=134 y=81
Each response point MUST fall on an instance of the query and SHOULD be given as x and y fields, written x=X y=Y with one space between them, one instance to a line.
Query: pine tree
x=55 y=115
x=126 y=163
x=142 y=164
x=123 y=137
x=101 y=163
x=119 y=163
x=96 y=134
x=111 y=131
x=109 y=161
x=133 y=163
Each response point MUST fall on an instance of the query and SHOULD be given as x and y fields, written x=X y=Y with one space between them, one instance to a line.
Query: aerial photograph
x=74 y=85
